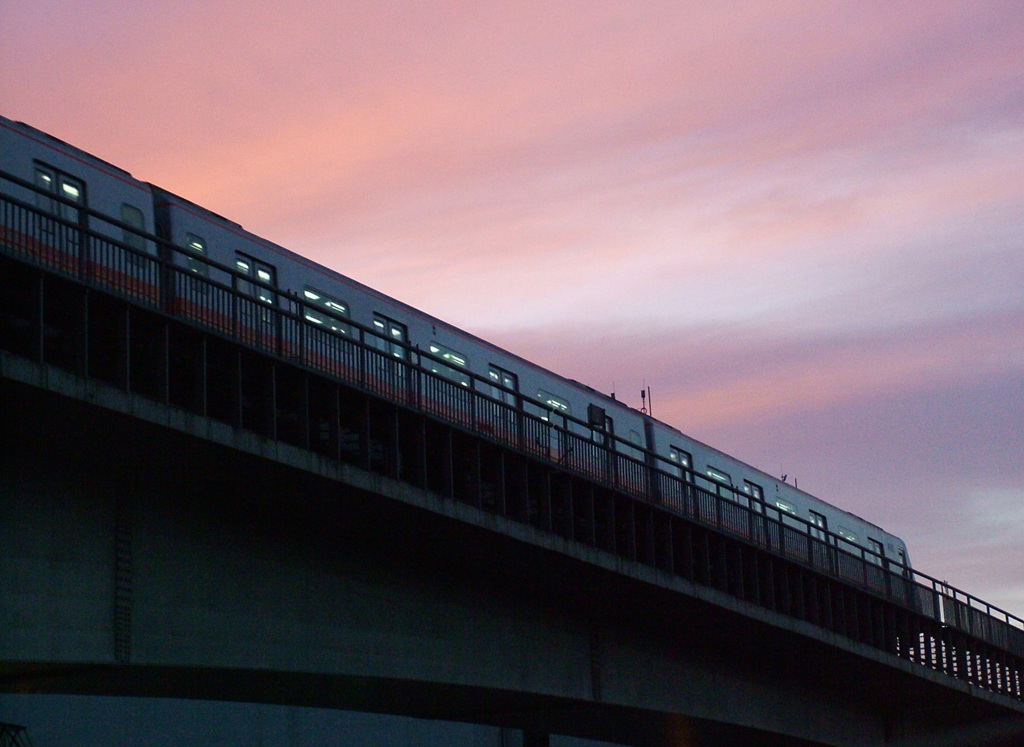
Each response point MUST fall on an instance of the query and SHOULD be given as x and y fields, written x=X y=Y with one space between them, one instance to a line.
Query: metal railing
x=217 y=297
x=14 y=735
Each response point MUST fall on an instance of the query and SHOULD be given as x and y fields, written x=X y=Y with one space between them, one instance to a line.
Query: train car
x=753 y=490
x=94 y=218
x=573 y=423
x=90 y=209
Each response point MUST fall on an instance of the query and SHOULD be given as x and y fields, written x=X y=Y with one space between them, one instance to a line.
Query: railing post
x=418 y=373
x=474 y=410
x=362 y=359
x=236 y=322
x=303 y=333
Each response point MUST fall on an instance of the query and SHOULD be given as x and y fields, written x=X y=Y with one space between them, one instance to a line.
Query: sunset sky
x=800 y=223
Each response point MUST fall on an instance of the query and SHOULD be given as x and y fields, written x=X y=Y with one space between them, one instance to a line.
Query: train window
x=877 y=553
x=789 y=515
x=752 y=495
x=557 y=404
x=317 y=303
x=604 y=434
x=680 y=460
x=505 y=379
x=263 y=272
x=54 y=182
x=47 y=181
x=457 y=361
x=550 y=408
x=636 y=444
x=391 y=336
x=198 y=245
x=846 y=534
x=819 y=525
x=135 y=224
x=718 y=475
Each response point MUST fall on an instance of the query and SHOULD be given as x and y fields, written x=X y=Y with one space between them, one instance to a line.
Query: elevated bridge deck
x=647 y=605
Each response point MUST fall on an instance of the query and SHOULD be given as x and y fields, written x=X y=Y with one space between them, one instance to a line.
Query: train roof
x=49 y=140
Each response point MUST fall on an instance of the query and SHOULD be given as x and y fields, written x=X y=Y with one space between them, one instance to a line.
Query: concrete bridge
x=149 y=549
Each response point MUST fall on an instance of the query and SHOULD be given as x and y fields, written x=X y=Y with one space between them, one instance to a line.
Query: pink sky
x=799 y=223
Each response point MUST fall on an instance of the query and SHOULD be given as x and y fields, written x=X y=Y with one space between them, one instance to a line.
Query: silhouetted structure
x=247 y=506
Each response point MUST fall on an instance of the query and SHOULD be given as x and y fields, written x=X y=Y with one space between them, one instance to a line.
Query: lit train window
x=681 y=460
x=786 y=506
x=846 y=534
x=555 y=403
x=198 y=245
x=56 y=183
x=48 y=182
x=322 y=309
x=718 y=475
x=53 y=183
x=752 y=496
x=457 y=361
x=505 y=379
x=135 y=223
x=261 y=271
x=391 y=336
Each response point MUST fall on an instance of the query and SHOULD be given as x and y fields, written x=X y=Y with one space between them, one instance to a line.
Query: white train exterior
x=217 y=250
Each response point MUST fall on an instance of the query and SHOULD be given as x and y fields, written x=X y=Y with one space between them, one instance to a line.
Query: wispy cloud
x=799 y=222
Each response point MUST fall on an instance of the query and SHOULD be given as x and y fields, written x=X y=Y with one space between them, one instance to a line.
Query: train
x=147 y=230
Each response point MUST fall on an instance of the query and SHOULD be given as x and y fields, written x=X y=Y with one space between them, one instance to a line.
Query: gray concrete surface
x=260 y=573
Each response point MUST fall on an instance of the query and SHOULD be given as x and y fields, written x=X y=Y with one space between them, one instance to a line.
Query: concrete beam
x=257 y=572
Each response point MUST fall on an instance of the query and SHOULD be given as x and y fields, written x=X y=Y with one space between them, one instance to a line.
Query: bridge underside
x=146 y=560
x=185 y=516
x=529 y=713
x=536 y=716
